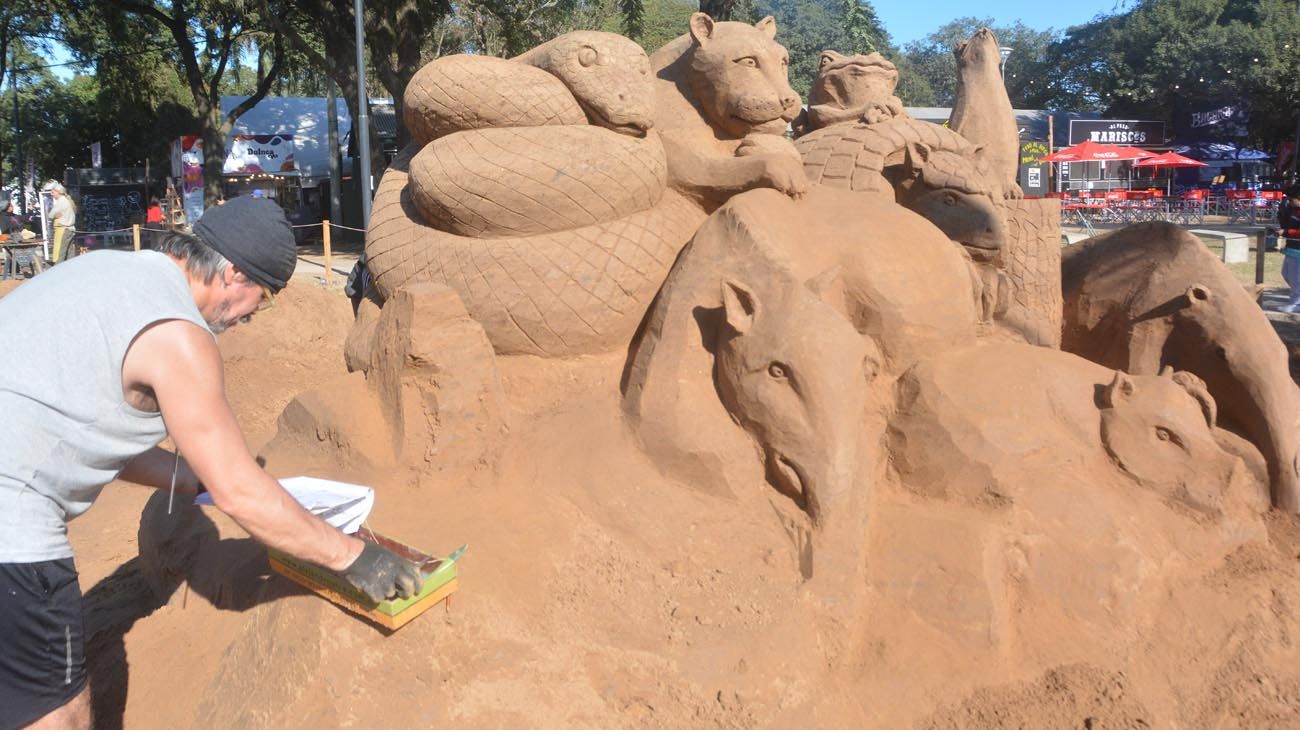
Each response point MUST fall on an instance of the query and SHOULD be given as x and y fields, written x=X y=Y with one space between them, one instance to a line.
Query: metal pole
x=18 y=137
x=363 y=119
x=1295 y=151
x=335 y=178
x=1261 y=237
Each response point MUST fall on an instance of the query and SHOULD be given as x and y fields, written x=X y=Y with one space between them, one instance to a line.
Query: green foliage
x=1164 y=55
x=933 y=61
x=663 y=21
x=862 y=30
x=808 y=27
x=1149 y=60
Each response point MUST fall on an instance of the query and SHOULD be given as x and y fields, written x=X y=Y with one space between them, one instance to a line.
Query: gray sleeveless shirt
x=65 y=427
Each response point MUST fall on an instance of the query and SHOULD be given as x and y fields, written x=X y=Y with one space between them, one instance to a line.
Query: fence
x=138 y=232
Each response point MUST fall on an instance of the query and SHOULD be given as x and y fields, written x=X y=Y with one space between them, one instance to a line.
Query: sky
x=906 y=21
x=910 y=20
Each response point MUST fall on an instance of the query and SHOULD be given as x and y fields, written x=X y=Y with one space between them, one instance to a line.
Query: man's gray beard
x=217 y=323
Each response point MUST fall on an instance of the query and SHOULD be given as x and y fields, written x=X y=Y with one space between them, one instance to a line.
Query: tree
x=933 y=61
x=207 y=37
x=664 y=20
x=718 y=9
x=862 y=30
x=1162 y=56
x=808 y=27
x=400 y=37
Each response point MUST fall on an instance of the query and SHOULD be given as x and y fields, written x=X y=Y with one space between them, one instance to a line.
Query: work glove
x=381 y=574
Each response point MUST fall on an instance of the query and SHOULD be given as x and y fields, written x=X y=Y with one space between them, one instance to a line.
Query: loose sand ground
x=599 y=594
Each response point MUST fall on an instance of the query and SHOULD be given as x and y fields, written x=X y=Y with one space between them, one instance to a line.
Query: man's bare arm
x=181 y=365
x=154 y=467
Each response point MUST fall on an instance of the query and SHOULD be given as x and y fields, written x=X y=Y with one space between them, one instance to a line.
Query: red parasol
x=1089 y=151
x=1169 y=159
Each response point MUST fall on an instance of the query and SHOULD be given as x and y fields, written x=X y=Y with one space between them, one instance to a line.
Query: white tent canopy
x=304 y=117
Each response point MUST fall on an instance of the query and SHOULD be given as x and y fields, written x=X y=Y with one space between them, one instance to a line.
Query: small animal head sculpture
x=948 y=189
x=853 y=82
x=979 y=50
x=1159 y=430
x=739 y=76
x=607 y=73
x=794 y=373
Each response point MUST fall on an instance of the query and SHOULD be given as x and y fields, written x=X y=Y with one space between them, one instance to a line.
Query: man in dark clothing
x=1288 y=222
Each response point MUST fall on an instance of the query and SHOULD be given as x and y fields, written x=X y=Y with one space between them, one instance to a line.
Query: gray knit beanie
x=253 y=234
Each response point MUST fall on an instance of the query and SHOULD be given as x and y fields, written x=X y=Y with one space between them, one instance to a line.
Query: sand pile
x=597 y=593
x=302 y=334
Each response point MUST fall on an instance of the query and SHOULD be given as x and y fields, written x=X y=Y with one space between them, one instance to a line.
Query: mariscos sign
x=1113 y=131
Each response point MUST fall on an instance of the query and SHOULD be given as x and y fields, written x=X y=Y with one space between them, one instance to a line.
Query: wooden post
x=1051 y=139
x=329 y=269
x=135 y=236
x=1261 y=236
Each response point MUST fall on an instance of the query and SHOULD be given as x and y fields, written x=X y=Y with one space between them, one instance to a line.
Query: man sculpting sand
x=86 y=399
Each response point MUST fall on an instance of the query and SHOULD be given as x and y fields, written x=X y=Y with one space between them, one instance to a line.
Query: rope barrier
x=101 y=233
x=322 y=265
x=348 y=228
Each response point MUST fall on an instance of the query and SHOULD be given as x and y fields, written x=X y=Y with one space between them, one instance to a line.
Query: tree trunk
x=214 y=154
x=717 y=9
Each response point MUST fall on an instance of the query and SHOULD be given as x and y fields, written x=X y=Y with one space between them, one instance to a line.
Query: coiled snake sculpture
x=535 y=188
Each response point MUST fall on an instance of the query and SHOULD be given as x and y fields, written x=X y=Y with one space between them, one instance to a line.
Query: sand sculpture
x=731 y=323
x=1151 y=296
x=723 y=102
x=858 y=137
x=858 y=88
x=855 y=135
x=821 y=462
x=982 y=111
x=776 y=329
x=969 y=445
x=534 y=190
x=787 y=327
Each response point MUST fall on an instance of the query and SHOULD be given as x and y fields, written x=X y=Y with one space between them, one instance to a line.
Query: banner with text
x=1215 y=121
x=192 y=176
x=257 y=153
x=1117 y=131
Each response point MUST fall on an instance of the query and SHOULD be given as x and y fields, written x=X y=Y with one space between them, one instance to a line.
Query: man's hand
x=381 y=574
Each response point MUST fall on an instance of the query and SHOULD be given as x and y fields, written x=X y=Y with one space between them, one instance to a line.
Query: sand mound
x=598 y=593
x=302 y=334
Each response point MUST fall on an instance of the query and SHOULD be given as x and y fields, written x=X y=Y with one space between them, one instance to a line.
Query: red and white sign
x=259 y=153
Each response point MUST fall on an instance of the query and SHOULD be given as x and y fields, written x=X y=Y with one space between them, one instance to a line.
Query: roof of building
x=305 y=117
x=1033 y=122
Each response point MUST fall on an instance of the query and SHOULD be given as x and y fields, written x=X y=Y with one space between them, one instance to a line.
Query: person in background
x=9 y=223
x=63 y=215
x=1288 y=223
x=154 y=213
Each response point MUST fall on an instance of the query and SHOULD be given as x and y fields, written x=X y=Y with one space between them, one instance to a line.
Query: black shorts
x=43 y=659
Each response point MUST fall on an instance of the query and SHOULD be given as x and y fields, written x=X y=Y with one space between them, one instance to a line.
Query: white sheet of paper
x=321 y=495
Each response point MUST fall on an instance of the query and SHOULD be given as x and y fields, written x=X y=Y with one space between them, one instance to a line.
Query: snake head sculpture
x=608 y=75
